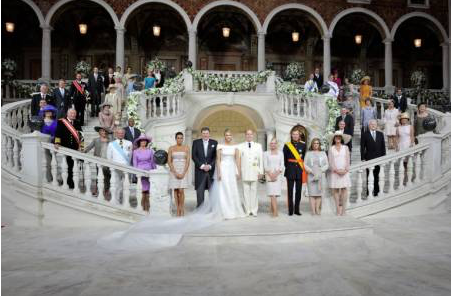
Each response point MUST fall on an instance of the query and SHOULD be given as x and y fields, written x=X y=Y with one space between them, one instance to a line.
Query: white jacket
x=252 y=162
x=114 y=155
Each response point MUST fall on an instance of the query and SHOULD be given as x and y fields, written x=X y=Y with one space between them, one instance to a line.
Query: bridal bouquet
x=295 y=71
x=357 y=75
x=83 y=67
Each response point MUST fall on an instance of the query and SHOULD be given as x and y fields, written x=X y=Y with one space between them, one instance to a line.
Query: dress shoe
x=290 y=214
x=298 y=214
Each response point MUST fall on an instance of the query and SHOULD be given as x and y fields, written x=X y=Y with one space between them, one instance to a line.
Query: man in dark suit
x=132 y=133
x=400 y=101
x=109 y=78
x=293 y=171
x=95 y=88
x=68 y=134
x=318 y=78
x=62 y=99
x=42 y=95
x=349 y=125
x=204 y=155
x=373 y=146
x=77 y=94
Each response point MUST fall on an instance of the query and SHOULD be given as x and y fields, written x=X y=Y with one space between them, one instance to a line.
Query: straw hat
x=365 y=78
x=404 y=115
x=344 y=137
x=142 y=137
x=98 y=128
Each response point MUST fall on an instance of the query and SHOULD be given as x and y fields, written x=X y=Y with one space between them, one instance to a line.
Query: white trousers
x=250 y=197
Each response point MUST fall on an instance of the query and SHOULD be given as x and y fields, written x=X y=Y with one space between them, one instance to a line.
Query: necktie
x=120 y=143
x=132 y=132
x=43 y=97
x=373 y=135
x=62 y=92
x=249 y=144
x=206 y=145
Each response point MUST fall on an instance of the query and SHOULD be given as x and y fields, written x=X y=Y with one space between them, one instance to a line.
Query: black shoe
x=298 y=214
x=290 y=214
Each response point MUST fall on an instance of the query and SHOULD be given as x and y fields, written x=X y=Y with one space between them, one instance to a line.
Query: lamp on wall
x=9 y=27
x=295 y=36
x=226 y=32
x=83 y=28
x=156 y=30
x=358 y=39
x=418 y=42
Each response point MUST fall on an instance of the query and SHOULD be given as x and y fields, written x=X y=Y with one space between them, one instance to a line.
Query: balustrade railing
x=161 y=106
x=96 y=179
x=445 y=152
x=22 y=89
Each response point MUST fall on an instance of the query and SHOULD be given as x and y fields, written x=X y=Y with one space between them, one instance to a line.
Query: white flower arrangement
x=295 y=71
x=156 y=64
x=230 y=84
x=418 y=79
x=83 y=67
x=133 y=103
x=171 y=86
x=290 y=88
x=8 y=69
x=357 y=75
x=334 y=110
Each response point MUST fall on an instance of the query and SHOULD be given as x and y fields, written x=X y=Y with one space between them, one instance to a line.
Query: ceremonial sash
x=120 y=151
x=299 y=160
x=78 y=87
x=335 y=88
x=311 y=86
x=71 y=129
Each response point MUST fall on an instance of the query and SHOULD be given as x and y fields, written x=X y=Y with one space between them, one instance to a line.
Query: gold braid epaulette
x=57 y=140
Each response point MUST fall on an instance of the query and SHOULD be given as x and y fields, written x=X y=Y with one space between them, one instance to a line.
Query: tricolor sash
x=71 y=129
x=120 y=151
x=78 y=87
x=299 y=160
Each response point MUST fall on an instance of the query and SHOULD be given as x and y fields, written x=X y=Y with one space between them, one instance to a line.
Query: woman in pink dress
x=339 y=159
x=143 y=158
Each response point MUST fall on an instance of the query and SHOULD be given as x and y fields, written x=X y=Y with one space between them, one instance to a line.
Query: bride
x=223 y=203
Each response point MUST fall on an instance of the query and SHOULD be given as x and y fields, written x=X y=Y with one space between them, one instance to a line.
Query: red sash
x=78 y=87
x=71 y=129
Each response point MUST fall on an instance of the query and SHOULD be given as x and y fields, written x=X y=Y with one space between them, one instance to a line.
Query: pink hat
x=142 y=137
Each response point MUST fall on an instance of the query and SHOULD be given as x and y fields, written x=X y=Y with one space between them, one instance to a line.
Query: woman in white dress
x=120 y=92
x=405 y=137
x=315 y=163
x=113 y=100
x=274 y=168
x=390 y=121
x=339 y=159
x=225 y=192
x=178 y=162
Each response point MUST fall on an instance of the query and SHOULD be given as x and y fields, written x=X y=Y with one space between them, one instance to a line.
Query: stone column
x=192 y=48
x=446 y=65
x=33 y=158
x=389 y=88
x=260 y=51
x=46 y=53
x=326 y=57
x=120 y=46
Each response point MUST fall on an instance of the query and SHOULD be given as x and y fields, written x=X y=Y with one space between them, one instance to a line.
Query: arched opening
x=293 y=36
x=237 y=118
x=407 y=57
x=358 y=43
x=217 y=50
x=142 y=44
x=23 y=45
x=70 y=45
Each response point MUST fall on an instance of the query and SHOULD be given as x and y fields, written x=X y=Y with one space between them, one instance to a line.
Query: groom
x=204 y=155
x=251 y=156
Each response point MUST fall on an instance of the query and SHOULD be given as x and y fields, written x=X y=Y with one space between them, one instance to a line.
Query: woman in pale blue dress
x=149 y=81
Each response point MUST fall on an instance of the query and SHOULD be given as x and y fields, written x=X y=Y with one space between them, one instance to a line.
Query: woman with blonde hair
x=274 y=168
x=315 y=163
x=365 y=91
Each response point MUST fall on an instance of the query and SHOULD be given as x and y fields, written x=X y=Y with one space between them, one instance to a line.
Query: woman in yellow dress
x=365 y=91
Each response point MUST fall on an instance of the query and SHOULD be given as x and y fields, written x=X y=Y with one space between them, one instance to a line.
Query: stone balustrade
x=161 y=106
x=310 y=107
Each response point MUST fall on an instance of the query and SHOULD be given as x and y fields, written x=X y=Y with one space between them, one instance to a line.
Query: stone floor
x=403 y=256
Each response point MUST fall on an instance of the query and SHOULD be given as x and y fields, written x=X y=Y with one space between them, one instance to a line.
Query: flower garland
x=230 y=84
x=133 y=103
x=356 y=76
x=171 y=86
x=334 y=110
x=9 y=69
x=418 y=79
x=290 y=88
x=295 y=71
x=156 y=64
x=83 y=67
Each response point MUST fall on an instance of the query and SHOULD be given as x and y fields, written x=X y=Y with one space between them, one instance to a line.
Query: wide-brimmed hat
x=404 y=115
x=142 y=137
x=50 y=108
x=344 y=137
x=105 y=104
x=111 y=86
x=98 y=128
x=365 y=78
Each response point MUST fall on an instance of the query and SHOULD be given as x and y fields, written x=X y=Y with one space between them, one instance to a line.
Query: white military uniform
x=252 y=165
x=114 y=155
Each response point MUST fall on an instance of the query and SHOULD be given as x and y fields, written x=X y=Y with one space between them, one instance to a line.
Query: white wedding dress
x=224 y=202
